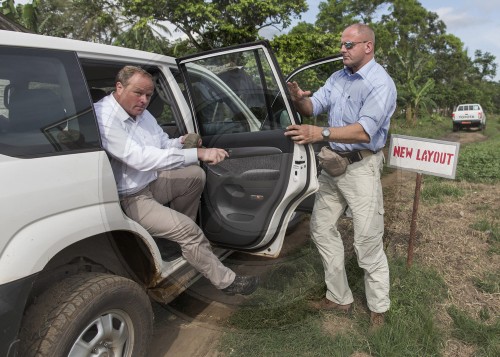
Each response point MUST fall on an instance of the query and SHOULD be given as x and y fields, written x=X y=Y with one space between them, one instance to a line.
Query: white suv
x=77 y=275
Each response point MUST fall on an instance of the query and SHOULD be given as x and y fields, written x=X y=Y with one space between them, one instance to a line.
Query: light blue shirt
x=138 y=148
x=367 y=97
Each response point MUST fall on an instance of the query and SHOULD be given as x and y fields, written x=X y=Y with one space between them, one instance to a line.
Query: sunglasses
x=350 y=44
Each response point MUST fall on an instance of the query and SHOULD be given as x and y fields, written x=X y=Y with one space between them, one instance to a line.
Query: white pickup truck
x=468 y=115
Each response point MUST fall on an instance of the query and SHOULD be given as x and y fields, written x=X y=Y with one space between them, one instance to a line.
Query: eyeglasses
x=350 y=44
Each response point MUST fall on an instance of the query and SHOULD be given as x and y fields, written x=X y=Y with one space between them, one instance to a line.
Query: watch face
x=325 y=133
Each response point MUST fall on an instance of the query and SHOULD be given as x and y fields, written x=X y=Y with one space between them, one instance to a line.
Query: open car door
x=312 y=76
x=239 y=103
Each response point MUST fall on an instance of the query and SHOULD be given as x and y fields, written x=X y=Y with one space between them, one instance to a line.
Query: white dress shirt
x=137 y=148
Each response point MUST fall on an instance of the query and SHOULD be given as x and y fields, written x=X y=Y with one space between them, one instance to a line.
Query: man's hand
x=304 y=134
x=297 y=93
x=212 y=156
x=191 y=140
x=300 y=99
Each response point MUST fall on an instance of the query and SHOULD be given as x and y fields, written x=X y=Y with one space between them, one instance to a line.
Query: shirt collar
x=363 y=71
x=121 y=114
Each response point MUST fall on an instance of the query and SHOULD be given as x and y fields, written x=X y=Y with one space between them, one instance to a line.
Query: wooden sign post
x=423 y=156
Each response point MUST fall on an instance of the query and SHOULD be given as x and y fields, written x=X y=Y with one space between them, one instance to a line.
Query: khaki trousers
x=181 y=190
x=360 y=189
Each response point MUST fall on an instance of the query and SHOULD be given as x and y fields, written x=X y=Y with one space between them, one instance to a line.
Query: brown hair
x=124 y=75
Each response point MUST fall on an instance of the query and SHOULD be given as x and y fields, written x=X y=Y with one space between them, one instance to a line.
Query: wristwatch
x=326 y=134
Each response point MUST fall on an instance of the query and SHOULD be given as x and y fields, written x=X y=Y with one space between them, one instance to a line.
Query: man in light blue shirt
x=360 y=100
x=152 y=170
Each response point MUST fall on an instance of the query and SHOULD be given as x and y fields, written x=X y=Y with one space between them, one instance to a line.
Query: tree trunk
x=410 y=115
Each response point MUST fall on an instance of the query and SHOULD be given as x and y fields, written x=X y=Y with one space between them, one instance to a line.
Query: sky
x=476 y=23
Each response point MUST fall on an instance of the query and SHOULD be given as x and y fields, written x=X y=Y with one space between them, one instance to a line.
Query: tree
x=412 y=91
x=217 y=23
x=335 y=15
x=17 y=14
x=306 y=42
x=485 y=65
x=409 y=49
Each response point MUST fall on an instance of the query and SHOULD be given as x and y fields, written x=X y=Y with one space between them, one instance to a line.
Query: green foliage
x=307 y=43
x=485 y=337
x=213 y=24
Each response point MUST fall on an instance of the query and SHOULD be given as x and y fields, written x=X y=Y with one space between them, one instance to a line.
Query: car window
x=101 y=77
x=460 y=108
x=475 y=107
x=45 y=108
x=234 y=93
x=311 y=77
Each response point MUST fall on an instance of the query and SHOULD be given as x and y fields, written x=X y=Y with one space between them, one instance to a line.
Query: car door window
x=235 y=93
x=101 y=77
x=45 y=109
x=312 y=76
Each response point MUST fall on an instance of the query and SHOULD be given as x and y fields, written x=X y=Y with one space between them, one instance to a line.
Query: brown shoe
x=325 y=304
x=376 y=321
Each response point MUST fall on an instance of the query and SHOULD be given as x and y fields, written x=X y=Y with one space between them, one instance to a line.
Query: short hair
x=365 y=30
x=124 y=75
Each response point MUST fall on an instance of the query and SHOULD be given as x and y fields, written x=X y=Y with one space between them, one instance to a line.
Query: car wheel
x=86 y=315
x=455 y=127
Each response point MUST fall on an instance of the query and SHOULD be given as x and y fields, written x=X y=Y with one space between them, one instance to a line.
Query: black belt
x=355 y=156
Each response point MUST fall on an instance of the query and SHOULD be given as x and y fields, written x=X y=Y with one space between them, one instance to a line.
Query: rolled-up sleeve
x=377 y=107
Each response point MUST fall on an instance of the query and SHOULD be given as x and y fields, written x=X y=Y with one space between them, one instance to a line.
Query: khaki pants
x=360 y=189
x=181 y=189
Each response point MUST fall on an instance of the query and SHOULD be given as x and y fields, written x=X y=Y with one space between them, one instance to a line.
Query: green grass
x=486 y=337
x=478 y=162
x=492 y=228
x=490 y=283
x=435 y=189
x=281 y=322
x=431 y=127
x=485 y=225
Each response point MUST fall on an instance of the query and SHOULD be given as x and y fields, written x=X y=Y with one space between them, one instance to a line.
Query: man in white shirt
x=152 y=170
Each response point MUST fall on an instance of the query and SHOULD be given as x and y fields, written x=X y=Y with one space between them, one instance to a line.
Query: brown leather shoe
x=325 y=304
x=376 y=321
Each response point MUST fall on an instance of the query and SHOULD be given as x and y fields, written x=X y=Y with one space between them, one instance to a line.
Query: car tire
x=88 y=314
x=455 y=127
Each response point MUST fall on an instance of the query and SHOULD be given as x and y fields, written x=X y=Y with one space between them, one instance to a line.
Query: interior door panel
x=243 y=189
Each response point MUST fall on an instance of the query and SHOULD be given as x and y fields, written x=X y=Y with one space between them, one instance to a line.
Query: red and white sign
x=433 y=157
